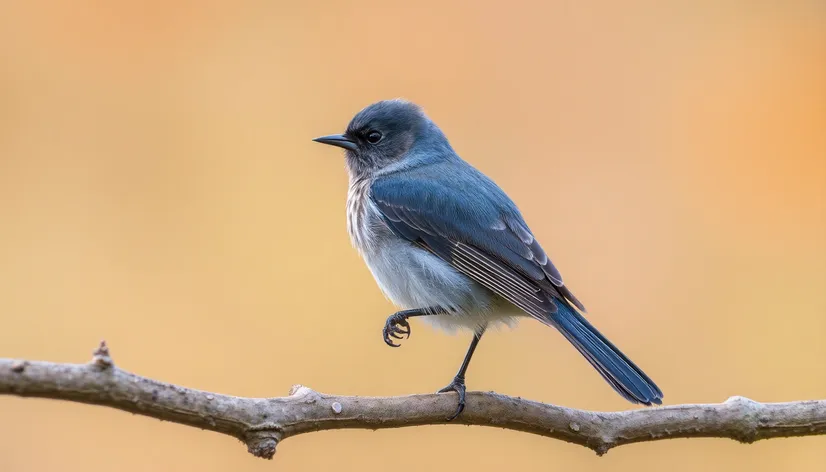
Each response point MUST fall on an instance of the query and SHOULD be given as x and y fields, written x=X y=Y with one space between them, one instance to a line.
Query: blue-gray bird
x=444 y=242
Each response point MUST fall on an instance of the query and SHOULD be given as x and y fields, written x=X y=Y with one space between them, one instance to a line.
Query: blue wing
x=467 y=220
x=457 y=213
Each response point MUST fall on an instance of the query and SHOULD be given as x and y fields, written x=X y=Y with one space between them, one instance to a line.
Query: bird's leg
x=458 y=384
x=397 y=325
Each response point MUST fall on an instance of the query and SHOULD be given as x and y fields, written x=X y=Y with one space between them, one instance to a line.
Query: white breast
x=358 y=196
x=412 y=277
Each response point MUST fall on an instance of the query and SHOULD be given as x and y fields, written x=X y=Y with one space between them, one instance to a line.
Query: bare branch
x=261 y=423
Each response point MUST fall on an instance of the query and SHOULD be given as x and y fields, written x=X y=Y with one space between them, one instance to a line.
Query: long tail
x=626 y=378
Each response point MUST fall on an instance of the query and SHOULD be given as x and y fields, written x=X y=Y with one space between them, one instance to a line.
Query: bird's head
x=384 y=134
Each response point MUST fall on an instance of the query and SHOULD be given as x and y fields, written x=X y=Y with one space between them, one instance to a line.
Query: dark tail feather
x=626 y=378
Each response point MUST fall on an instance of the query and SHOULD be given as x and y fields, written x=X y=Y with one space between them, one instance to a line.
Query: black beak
x=339 y=140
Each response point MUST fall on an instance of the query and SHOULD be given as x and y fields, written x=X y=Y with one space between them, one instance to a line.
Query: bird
x=445 y=243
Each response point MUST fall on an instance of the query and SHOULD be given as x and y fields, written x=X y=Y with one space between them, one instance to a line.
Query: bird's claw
x=458 y=386
x=396 y=327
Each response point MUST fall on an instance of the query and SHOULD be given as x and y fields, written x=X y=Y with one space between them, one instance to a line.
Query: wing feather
x=485 y=239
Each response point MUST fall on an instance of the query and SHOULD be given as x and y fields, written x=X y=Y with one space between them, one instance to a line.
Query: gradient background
x=159 y=189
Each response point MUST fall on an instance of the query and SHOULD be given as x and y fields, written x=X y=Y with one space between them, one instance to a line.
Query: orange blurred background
x=159 y=189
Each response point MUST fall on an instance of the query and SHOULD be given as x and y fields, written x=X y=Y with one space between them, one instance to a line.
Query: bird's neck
x=357 y=173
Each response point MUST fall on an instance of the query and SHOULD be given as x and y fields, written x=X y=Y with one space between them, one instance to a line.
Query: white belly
x=412 y=277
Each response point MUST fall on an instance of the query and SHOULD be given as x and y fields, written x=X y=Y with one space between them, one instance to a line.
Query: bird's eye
x=373 y=137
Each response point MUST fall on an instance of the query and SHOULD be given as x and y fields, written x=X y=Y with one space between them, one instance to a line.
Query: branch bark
x=261 y=423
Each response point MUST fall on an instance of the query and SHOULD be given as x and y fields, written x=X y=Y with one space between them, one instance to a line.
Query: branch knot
x=262 y=443
x=101 y=357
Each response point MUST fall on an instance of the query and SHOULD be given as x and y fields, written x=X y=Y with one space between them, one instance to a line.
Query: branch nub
x=262 y=443
x=101 y=357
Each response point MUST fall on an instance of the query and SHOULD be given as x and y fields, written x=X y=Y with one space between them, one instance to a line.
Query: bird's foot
x=458 y=386
x=396 y=326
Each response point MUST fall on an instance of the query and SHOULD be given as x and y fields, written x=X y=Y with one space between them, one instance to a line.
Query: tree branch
x=261 y=423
